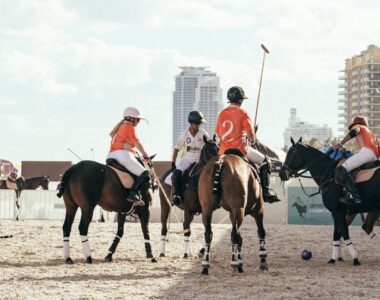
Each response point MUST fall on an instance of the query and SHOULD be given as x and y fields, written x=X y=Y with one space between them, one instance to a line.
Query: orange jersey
x=366 y=139
x=233 y=122
x=125 y=134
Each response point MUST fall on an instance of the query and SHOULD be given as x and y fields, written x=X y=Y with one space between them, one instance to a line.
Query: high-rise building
x=196 y=89
x=360 y=90
x=297 y=128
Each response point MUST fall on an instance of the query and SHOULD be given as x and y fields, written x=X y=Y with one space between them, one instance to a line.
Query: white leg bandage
x=163 y=244
x=351 y=249
x=186 y=244
x=66 y=247
x=336 y=250
x=234 y=260
x=86 y=246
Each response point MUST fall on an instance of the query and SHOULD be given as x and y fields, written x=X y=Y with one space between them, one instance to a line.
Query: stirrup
x=269 y=198
x=350 y=200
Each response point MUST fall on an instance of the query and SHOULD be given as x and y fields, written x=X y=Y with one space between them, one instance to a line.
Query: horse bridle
x=295 y=172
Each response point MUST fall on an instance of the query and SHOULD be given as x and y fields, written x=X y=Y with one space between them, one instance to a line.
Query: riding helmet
x=359 y=120
x=132 y=112
x=196 y=117
x=235 y=94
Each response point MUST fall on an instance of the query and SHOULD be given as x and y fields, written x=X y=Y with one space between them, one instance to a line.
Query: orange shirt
x=125 y=134
x=233 y=122
x=366 y=139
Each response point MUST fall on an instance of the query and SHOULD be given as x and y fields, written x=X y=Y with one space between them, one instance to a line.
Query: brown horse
x=88 y=184
x=190 y=204
x=230 y=182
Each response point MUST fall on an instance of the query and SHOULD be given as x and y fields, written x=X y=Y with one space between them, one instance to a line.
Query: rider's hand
x=337 y=146
x=146 y=158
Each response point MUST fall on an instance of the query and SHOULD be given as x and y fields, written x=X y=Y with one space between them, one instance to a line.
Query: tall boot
x=351 y=195
x=269 y=195
x=176 y=185
x=133 y=195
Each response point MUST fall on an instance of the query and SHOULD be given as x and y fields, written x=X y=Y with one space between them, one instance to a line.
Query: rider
x=233 y=127
x=369 y=152
x=191 y=142
x=123 y=148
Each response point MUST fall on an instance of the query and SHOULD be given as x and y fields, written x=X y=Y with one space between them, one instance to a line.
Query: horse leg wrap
x=263 y=251
x=163 y=244
x=66 y=247
x=186 y=244
x=86 y=245
x=336 y=250
x=206 y=256
x=148 y=247
x=234 y=259
x=351 y=249
x=115 y=242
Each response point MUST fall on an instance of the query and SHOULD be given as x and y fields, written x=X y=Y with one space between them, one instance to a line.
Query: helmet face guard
x=235 y=94
x=196 y=117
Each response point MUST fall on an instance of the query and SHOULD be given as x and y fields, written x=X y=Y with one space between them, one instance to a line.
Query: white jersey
x=191 y=145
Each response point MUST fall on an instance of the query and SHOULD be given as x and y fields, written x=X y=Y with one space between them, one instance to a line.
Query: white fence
x=7 y=204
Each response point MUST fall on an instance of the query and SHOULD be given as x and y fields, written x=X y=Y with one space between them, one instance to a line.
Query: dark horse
x=230 y=182
x=300 y=158
x=28 y=184
x=88 y=184
x=190 y=204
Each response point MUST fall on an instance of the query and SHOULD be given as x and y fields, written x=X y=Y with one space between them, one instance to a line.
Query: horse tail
x=65 y=179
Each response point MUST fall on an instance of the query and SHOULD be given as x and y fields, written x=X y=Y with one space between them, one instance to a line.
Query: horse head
x=209 y=150
x=294 y=160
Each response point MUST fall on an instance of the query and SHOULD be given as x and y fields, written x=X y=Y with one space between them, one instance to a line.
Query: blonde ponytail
x=116 y=128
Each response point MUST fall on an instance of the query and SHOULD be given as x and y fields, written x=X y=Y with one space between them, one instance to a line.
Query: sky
x=68 y=69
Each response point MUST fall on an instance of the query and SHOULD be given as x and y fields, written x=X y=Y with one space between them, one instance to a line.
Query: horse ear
x=205 y=139
x=153 y=156
x=300 y=140
x=256 y=128
x=214 y=137
x=291 y=139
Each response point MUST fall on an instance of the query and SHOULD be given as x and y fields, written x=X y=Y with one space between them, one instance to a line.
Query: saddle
x=241 y=155
x=125 y=176
x=11 y=185
x=365 y=172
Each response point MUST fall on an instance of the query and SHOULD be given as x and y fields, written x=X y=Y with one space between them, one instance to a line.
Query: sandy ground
x=31 y=265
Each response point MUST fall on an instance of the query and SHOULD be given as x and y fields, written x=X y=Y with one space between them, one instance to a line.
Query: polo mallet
x=266 y=51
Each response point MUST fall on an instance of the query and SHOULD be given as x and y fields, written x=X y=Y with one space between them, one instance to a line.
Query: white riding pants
x=255 y=156
x=182 y=165
x=365 y=155
x=128 y=160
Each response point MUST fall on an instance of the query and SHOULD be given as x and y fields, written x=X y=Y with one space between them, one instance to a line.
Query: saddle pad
x=365 y=175
x=11 y=185
x=125 y=178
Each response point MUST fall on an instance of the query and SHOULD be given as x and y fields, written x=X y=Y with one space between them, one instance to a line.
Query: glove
x=173 y=166
x=146 y=158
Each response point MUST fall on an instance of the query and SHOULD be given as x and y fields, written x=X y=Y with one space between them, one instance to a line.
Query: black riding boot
x=176 y=184
x=269 y=195
x=133 y=195
x=351 y=195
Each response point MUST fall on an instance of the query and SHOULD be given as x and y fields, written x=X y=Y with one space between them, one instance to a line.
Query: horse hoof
x=356 y=262
x=331 y=261
x=263 y=267
x=108 y=258
x=240 y=269
x=205 y=271
x=186 y=255
x=89 y=260
x=153 y=260
x=162 y=254
x=69 y=261
x=340 y=259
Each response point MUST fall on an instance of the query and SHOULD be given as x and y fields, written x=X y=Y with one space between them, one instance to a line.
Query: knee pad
x=341 y=174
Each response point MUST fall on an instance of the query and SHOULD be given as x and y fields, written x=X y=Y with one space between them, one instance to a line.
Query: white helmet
x=132 y=112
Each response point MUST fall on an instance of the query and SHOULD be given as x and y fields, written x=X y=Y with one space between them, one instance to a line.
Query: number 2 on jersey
x=230 y=126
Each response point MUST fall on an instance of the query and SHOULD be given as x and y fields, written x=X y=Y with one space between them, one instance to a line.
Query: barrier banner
x=306 y=210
